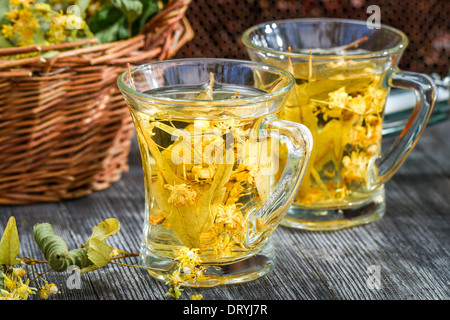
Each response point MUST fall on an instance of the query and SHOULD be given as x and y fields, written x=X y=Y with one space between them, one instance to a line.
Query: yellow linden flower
x=188 y=269
x=181 y=195
x=174 y=278
x=8 y=31
x=233 y=125
x=24 y=15
x=227 y=232
x=339 y=98
x=25 y=27
x=18 y=272
x=6 y=295
x=56 y=33
x=24 y=3
x=12 y=15
x=9 y=284
x=43 y=294
x=355 y=167
x=74 y=22
x=229 y=215
x=47 y=290
x=24 y=290
x=235 y=191
x=43 y=6
x=196 y=297
x=203 y=173
x=174 y=292
x=188 y=257
x=200 y=126
x=358 y=104
x=28 y=19
x=224 y=245
x=53 y=288
x=375 y=98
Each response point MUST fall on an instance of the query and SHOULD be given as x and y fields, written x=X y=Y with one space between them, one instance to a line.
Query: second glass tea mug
x=343 y=71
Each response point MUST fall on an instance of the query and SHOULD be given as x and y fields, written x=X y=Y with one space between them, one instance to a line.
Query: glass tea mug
x=208 y=136
x=343 y=71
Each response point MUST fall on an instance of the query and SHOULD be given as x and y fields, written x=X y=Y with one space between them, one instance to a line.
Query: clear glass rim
x=373 y=54
x=210 y=103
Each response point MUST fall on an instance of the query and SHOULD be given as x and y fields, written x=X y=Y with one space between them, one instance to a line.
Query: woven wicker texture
x=64 y=126
x=218 y=25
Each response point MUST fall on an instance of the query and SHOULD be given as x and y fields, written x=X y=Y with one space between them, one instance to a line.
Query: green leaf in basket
x=10 y=244
x=83 y=5
x=4 y=43
x=4 y=7
x=106 y=24
x=122 y=19
x=132 y=9
x=149 y=9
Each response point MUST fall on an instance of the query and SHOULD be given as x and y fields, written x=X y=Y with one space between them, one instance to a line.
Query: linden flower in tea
x=204 y=180
x=342 y=104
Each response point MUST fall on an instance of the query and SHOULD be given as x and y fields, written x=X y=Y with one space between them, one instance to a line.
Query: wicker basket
x=65 y=130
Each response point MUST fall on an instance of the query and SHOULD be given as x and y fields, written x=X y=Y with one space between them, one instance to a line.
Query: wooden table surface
x=409 y=246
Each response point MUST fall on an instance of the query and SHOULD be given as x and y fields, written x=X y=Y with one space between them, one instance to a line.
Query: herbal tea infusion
x=343 y=71
x=342 y=103
x=210 y=149
x=205 y=176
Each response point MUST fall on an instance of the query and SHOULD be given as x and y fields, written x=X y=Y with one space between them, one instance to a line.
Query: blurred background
x=219 y=24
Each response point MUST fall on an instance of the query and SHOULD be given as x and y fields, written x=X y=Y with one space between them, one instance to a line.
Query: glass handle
x=392 y=159
x=298 y=141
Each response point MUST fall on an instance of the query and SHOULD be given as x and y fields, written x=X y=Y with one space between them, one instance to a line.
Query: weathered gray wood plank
x=410 y=245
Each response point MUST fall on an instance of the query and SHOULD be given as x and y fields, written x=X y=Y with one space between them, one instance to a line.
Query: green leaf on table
x=52 y=246
x=104 y=229
x=10 y=244
x=99 y=253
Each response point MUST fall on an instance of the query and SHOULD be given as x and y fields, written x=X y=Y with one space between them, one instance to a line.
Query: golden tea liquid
x=209 y=139
x=204 y=176
x=342 y=104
